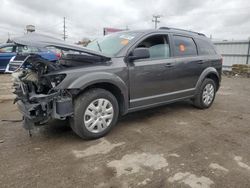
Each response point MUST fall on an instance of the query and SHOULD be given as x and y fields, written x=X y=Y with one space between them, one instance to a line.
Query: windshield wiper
x=99 y=46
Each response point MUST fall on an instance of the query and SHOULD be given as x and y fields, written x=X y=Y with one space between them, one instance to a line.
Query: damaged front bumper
x=41 y=108
x=38 y=97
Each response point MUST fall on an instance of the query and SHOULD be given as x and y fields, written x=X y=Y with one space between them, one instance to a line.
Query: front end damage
x=37 y=81
x=38 y=98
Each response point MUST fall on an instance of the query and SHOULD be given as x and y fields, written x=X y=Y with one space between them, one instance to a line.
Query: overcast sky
x=223 y=19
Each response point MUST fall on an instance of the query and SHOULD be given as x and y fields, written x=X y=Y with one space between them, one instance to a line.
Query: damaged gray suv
x=117 y=74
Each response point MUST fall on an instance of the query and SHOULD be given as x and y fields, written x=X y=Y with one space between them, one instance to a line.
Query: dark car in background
x=51 y=54
x=7 y=51
x=117 y=74
x=11 y=57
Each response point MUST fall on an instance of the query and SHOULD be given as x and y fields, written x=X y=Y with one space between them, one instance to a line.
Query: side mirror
x=139 y=53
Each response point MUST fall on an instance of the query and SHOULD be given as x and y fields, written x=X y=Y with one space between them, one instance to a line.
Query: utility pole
x=8 y=38
x=64 y=28
x=248 y=51
x=155 y=20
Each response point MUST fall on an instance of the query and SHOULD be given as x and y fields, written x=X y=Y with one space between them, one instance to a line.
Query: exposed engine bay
x=37 y=97
x=36 y=80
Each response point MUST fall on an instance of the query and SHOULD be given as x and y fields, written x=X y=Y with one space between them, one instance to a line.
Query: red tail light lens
x=58 y=55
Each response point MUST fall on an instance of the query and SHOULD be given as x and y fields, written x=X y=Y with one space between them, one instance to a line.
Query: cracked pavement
x=170 y=146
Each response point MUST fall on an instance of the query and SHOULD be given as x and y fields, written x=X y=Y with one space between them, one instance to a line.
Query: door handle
x=169 y=65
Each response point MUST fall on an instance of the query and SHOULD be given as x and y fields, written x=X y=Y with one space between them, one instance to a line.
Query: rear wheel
x=206 y=94
x=95 y=113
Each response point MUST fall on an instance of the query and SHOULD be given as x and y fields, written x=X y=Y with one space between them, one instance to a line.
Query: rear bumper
x=2 y=69
x=15 y=64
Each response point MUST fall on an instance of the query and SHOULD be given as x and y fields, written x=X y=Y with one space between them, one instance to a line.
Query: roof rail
x=169 y=28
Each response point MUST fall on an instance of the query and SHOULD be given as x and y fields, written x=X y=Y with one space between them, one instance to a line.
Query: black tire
x=82 y=102
x=198 y=101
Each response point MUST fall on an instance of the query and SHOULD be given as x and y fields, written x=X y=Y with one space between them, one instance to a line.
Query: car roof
x=162 y=30
x=168 y=30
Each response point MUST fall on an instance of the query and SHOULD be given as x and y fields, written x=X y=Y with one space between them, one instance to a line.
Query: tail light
x=58 y=55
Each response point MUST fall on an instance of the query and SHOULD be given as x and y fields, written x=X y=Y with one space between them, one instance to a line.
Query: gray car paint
x=143 y=83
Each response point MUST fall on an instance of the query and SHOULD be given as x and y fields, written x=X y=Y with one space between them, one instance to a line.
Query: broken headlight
x=56 y=79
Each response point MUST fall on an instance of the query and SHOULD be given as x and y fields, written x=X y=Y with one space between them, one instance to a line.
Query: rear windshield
x=113 y=43
x=6 y=49
x=27 y=49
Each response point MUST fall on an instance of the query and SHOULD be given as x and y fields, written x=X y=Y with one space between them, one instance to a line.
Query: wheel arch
x=107 y=81
x=215 y=78
x=211 y=73
x=115 y=90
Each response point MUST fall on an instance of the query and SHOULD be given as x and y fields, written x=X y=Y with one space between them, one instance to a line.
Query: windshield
x=113 y=43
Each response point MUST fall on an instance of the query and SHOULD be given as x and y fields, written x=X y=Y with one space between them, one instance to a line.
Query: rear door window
x=184 y=46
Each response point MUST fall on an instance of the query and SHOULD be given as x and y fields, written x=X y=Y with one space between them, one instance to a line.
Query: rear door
x=188 y=65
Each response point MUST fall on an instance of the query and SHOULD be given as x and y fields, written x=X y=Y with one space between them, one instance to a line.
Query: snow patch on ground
x=103 y=147
x=173 y=155
x=181 y=123
x=133 y=163
x=216 y=166
x=238 y=159
x=144 y=182
x=191 y=179
x=224 y=93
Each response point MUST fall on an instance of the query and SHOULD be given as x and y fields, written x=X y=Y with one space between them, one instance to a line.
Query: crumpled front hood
x=42 y=41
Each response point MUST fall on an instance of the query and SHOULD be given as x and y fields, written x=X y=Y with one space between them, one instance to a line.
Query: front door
x=150 y=78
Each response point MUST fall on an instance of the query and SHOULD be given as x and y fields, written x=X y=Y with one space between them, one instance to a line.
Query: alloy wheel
x=208 y=94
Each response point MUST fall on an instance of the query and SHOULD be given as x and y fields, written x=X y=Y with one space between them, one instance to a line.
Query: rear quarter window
x=205 y=47
x=184 y=46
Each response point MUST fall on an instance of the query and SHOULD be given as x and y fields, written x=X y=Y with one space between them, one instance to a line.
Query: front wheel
x=206 y=94
x=95 y=113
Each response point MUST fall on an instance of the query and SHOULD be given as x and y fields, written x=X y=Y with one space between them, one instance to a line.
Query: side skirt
x=158 y=104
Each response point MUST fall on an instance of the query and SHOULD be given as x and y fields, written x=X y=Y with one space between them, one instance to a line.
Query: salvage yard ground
x=171 y=146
